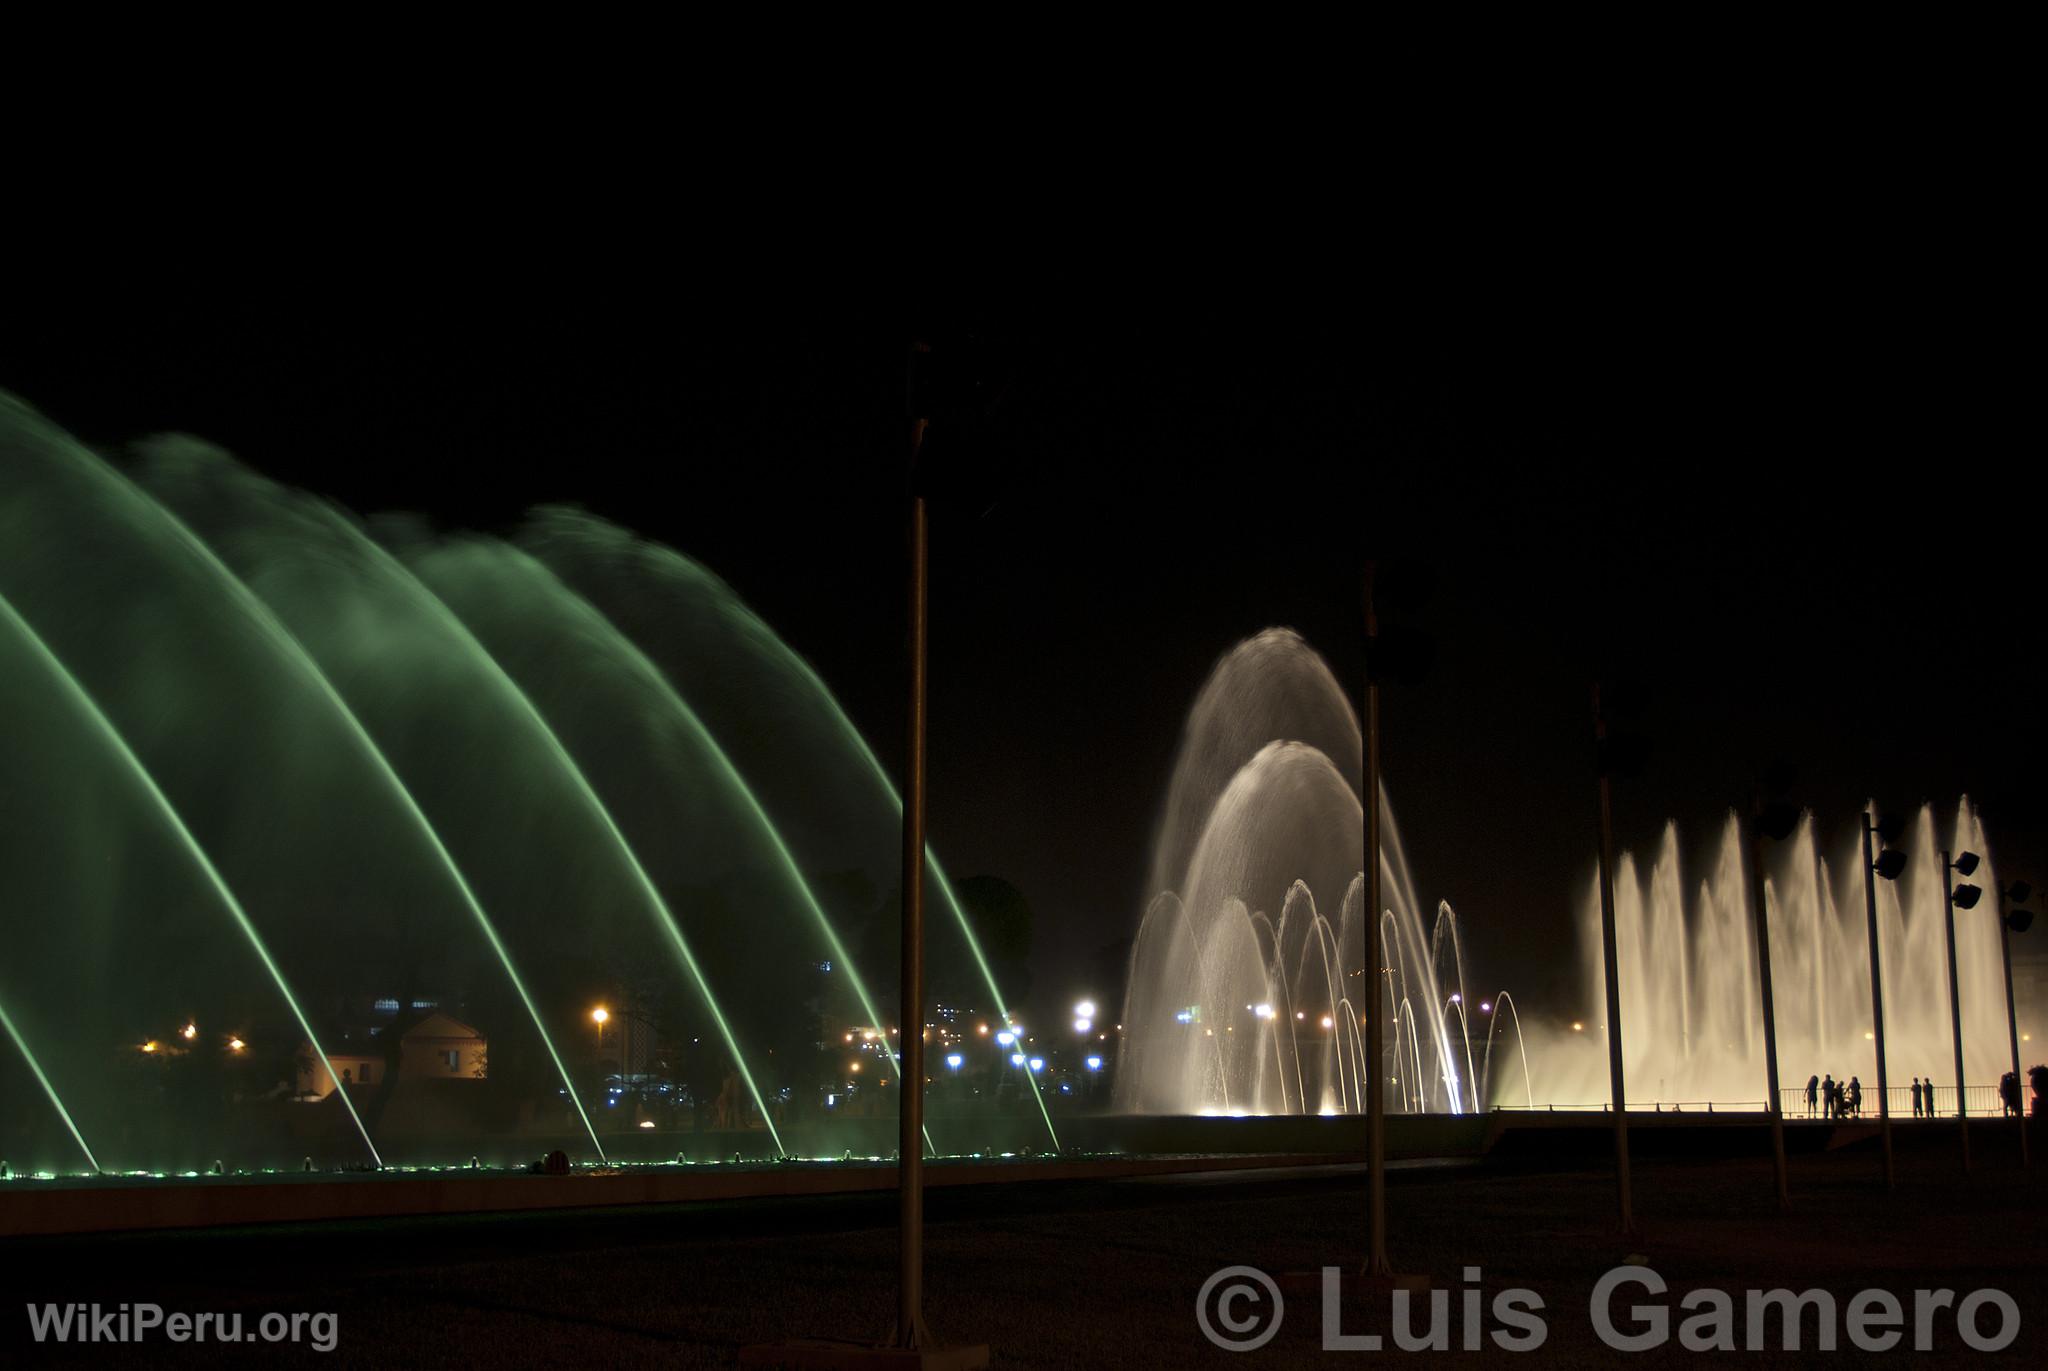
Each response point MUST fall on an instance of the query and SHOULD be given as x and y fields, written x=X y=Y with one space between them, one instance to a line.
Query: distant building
x=435 y=1047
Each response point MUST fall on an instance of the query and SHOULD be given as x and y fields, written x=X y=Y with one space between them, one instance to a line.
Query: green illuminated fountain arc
x=657 y=905
x=881 y=773
x=48 y=1089
x=119 y=745
x=654 y=676
x=296 y=654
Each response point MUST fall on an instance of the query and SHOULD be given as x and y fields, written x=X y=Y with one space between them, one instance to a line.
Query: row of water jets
x=1233 y=1008
x=338 y=737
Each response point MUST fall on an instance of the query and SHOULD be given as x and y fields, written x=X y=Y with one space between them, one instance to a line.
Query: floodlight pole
x=1615 y=1084
x=910 y=1329
x=2012 y=1026
x=1775 y=1105
x=1884 y=1099
x=1955 y=1007
x=1377 y=1263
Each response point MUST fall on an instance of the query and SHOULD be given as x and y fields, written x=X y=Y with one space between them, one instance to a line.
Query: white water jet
x=1233 y=1008
x=1692 y=1025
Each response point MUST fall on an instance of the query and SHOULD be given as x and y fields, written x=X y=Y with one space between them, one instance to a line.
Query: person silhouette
x=1927 y=1089
x=2009 y=1093
x=1812 y=1091
x=1830 y=1097
x=1916 y=1097
x=1855 y=1097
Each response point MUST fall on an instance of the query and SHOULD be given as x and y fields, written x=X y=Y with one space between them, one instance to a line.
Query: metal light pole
x=910 y=1329
x=1884 y=1099
x=1955 y=1008
x=1775 y=1106
x=1377 y=1263
x=2012 y=1021
x=1615 y=1084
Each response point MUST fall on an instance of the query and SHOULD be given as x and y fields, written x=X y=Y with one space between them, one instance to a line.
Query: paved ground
x=1067 y=1275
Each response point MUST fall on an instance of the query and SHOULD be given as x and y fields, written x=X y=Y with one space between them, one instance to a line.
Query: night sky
x=1809 y=530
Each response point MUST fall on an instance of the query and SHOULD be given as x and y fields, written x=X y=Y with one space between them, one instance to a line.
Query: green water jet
x=658 y=906
x=80 y=696
x=653 y=675
x=295 y=653
x=48 y=1089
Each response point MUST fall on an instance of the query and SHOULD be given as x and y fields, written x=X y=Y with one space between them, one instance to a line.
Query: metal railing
x=1936 y=1102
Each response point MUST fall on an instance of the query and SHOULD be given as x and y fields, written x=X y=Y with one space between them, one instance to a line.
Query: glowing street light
x=954 y=1060
x=1085 y=1009
x=600 y=1016
x=189 y=1031
x=236 y=1044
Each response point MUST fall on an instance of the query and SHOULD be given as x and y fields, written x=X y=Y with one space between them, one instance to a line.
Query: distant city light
x=236 y=1044
x=1328 y=1022
x=647 y=1123
x=1006 y=1037
x=954 y=1060
x=1095 y=1063
x=189 y=1032
x=149 y=1046
x=1578 y=1027
x=1084 y=1025
x=1456 y=998
x=1264 y=1011
x=1486 y=1006
x=1185 y=1016
x=600 y=1016
x=1085 y=1010
x=1038 y=1063
x=1016 y=1059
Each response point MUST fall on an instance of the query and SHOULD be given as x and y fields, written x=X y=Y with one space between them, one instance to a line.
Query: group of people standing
x=1834 y=1100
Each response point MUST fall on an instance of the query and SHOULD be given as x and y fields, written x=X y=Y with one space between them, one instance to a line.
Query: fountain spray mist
x=294 y=654
x=664 y=917
x=119 y=746
x=556 y=531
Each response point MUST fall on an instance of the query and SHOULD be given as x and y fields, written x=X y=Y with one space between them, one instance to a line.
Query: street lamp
x=2010 y=922
x=1888 y=864
x=1966 y=896
x=1614 y=754
x=1775 y=820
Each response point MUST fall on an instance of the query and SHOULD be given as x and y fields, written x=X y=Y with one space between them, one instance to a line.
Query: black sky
x=1809 y=525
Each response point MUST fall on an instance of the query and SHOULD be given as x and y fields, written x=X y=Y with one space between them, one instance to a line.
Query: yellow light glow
x=149 y=1046
x=982 y=1029
x=600 y=1016
x=1328 y=1022
x=236 y=1044
x=189 y=1032
x=1578 y=1027
x=855 y=1067
x=1869 y=1037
